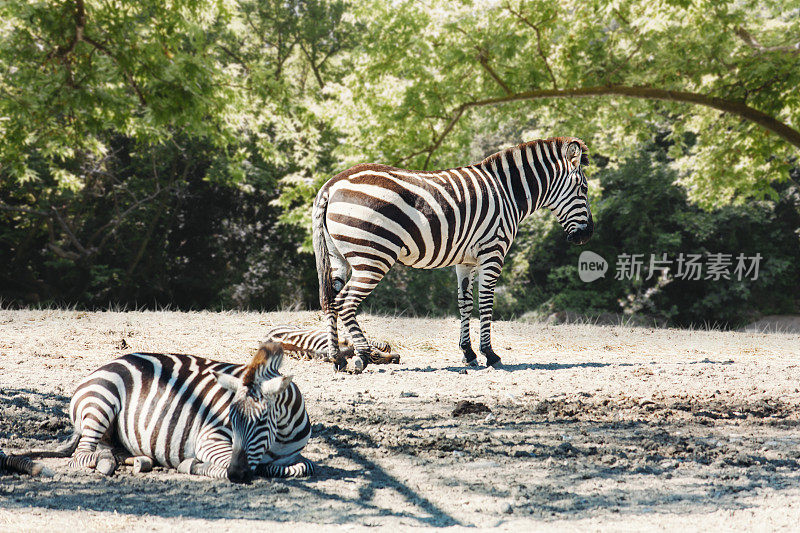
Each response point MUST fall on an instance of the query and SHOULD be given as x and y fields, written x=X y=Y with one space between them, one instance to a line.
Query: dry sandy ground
x=591 y=428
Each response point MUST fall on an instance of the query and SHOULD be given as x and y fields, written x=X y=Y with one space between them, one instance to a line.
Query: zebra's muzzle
x=239 y=469
x=581 y=234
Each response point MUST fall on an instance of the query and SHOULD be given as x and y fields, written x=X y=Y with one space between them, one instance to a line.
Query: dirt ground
x=590 y=428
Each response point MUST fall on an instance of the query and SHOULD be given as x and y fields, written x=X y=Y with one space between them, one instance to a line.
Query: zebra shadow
x=373 y=478
x=513 y=367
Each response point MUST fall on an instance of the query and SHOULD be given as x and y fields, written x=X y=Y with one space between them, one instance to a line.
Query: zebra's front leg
x=299 y=466
x=465 y=276
x=358 y=287
x=200 y=468
x=488 y=272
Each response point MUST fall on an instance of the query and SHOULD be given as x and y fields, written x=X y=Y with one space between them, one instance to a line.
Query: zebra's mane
x=268 y=354
x=560 y=141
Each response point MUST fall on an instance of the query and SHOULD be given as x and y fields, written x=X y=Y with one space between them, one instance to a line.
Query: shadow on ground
x=551 y=459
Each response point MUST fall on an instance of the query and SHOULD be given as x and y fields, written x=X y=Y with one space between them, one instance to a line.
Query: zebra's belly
x=447 y=259
x=166 y=440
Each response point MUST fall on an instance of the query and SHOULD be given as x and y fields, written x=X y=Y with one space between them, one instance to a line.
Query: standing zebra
x=200 y=416
x=369 y=217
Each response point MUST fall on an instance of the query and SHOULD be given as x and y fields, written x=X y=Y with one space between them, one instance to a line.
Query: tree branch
x=737 y=108
x=235 y=56
x=15 y=209
x=73 y=239
x=438 y=142
x=483 y=59
x=132 y=82
x=80 y=24
x=313 y=66
x=49 y=216
x=750 y=41
x=63 y=52
x=536 y=30
x=114 y=222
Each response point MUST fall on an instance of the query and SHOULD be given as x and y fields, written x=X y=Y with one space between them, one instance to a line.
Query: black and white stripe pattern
x=313 y=343
x=22 y=465
x=201 y=416
x=371 y=216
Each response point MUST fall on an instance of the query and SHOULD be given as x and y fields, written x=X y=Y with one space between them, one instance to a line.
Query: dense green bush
x=201 y=243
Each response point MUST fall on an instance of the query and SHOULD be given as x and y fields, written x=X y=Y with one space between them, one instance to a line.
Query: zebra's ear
x=275 y=385
x=226 y=381
x=574 y=154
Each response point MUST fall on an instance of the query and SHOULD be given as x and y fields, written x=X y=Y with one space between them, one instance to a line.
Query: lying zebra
x=22 y=465
x=313 y=344
x=200 y=416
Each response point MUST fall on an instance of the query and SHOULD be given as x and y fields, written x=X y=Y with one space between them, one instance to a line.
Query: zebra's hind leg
x=23 y=465
x=300 y=467
x=91 y=452
x=383 y=358
x=360 y=285
x=102 y=460
x=139 y=463
x=465 y=276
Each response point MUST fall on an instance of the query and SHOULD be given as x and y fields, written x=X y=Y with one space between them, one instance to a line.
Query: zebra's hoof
x=141 y=465
x=470 y=362
x=40 y=470
x=106 y=466
x=492 y=359
x=186 y=466
x=355 y=365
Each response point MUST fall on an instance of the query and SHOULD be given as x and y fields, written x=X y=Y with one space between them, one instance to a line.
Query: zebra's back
x=421 y=219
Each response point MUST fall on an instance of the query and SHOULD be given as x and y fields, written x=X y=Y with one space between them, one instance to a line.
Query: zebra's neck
x=526 y=174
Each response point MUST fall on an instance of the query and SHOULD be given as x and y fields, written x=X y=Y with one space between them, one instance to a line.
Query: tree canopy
x=160 y=152
x=720 y=77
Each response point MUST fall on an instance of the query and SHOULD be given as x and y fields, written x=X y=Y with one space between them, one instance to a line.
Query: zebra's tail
x=66 y=449
x=327 y=291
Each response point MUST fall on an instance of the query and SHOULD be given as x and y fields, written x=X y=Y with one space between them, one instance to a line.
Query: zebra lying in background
x=313 y=344
x=22 y=465
x=370 y=217
x=200 y=416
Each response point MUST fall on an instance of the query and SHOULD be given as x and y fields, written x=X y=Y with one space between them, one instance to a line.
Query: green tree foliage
x=168 y=153
x=113 y=111
x=431 y=76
